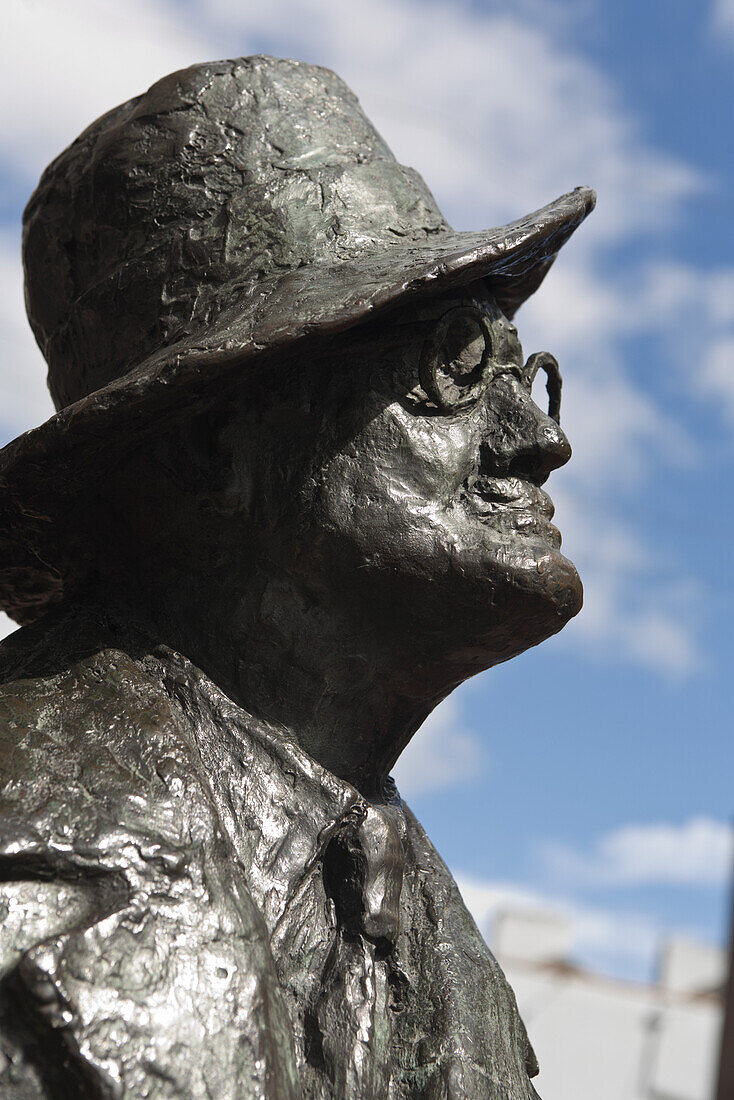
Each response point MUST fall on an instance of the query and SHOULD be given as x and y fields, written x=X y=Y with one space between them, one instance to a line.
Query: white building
x=601 y=1039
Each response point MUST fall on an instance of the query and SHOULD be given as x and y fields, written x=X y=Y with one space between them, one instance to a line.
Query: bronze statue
x=290 y=500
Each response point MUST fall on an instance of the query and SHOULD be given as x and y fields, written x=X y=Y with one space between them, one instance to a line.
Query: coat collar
x=285 y=815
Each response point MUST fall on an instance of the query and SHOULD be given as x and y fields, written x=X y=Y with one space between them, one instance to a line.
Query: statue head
x=325 y=412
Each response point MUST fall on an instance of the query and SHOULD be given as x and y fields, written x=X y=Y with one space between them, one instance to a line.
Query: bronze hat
x=235 y=208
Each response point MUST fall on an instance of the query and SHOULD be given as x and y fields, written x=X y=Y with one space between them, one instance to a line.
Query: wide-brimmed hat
x=234 y=210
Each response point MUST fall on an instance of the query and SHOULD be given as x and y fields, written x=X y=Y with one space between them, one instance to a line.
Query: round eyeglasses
x=458 y=361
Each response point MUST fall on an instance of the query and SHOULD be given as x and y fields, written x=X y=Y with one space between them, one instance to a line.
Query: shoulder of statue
x=91 y=754
x=114 y=871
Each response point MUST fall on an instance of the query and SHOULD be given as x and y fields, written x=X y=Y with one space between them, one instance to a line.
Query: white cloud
x=442 y=754
x=631 y=606
x=699 y=852
x=695 y=310
x=7 y=626
x=25 y=399
x=499 y=112
x=613 y=942
x=722 y=17
x=612 y=423
x=71 y=62
x=716 y=374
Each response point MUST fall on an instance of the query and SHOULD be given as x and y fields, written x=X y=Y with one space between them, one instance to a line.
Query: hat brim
x=45 y=470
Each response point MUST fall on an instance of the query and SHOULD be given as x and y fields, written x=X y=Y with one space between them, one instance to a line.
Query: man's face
x=396 y=483
x=428 y=519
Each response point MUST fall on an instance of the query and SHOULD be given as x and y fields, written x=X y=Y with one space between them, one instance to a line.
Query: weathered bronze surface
x=290 y=500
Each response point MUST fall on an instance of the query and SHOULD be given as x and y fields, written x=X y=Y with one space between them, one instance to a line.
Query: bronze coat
x=188 y=898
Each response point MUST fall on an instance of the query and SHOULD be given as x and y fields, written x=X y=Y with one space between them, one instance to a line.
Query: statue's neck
x=348 y=704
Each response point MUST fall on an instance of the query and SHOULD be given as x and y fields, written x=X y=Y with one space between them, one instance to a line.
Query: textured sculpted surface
x=194 y=907
x=291 y=498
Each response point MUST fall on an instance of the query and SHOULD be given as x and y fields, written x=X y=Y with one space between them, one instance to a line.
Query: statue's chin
x=542 y=569
x=545 y=594
x=507 y=601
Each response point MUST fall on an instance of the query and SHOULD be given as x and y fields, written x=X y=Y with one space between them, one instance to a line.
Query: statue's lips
x=524 y=504
x=502 y=492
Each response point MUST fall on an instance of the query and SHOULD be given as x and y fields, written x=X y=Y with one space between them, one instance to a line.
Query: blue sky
x=592 y=774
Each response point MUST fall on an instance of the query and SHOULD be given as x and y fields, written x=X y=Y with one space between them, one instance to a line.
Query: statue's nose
x=521 y=440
